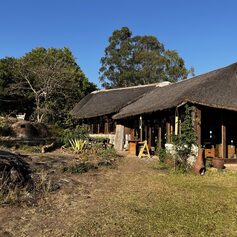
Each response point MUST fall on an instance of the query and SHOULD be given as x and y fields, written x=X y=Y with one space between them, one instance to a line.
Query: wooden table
x=132 y=147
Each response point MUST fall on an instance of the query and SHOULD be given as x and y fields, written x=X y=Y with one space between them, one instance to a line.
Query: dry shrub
x=28 y=195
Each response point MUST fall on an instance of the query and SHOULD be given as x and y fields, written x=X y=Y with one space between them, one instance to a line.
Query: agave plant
x=77 y=144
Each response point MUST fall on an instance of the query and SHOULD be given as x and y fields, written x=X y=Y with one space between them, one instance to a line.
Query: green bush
x=80 y=132
x=183 y=142
x=162 y=154
x=107 y=153
x=56 y=131
x=77 y=144
x=80 y=168
x=64 y=135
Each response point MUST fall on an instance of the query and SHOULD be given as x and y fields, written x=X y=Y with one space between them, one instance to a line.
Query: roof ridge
x=156 y=84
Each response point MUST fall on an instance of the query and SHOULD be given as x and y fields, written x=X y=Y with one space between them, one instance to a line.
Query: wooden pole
x=106 y=126
x=140 y=127
x=198 y=126
x=98 y=128
x=132 y=133
x=149 y=136
x=180 y=128
x=171 y=129
x=176 y=125
x=168 y=140
x=145 y=133
x=119 y=137
x=223 y=136
x=159 y=137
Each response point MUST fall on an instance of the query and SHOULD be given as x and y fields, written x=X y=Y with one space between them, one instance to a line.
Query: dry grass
x=165 y=204
x=138 y=198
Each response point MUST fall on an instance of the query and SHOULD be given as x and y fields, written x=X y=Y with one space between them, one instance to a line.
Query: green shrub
x=80 y=132
x=166 y=159
x=107 y=153
x=162 y=154
x=66 y=134
x=77 y=144
x=56 y=131
x=183 y=142
x=80 y=168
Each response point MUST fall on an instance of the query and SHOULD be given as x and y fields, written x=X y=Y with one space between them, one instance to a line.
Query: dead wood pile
x=14 y=171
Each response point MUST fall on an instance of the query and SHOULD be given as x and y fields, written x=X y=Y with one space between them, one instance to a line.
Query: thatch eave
x=111 y=101
x=216 y=89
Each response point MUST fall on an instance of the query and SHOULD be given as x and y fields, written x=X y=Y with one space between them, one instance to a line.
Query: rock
x=30 y=130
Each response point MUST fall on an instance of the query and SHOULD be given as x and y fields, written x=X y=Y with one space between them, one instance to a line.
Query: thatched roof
x=105 y=102
x=216 y=89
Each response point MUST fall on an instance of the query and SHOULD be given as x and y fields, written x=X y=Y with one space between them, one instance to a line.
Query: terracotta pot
x=199 y=167
x=218 y=163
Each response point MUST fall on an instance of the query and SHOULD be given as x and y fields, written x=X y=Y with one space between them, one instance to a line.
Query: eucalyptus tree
x=136 y=60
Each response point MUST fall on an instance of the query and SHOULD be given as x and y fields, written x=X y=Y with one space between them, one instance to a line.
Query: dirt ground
x=60 y=213
x=134 y=197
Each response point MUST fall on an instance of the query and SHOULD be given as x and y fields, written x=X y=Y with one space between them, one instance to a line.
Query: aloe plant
x=77 y=144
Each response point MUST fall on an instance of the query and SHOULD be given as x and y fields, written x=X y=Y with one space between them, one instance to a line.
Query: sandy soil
x=60 y=212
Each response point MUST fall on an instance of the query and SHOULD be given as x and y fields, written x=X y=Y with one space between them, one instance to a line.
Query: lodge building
x=154 y=112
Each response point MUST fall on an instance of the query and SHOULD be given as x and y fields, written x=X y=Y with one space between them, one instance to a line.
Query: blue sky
x=204 y=32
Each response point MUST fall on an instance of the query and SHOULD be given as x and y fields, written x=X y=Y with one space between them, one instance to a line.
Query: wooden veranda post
x=149 y=135
x=98 y=127
x=145 y=133
x=106 y=126
x=132 y=131
x=223 y=136
x=140 y=127
x=198 y=126
x=119 y=137
x=159 y=137
x=168 y=136
x=176 y=123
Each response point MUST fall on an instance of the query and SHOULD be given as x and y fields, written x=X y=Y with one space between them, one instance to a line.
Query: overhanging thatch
x=105 y=102
x=216 y=89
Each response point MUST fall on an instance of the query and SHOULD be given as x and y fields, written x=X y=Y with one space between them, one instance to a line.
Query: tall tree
x=53 y=80
x=115 y=65
x=10 y=102
x=139 y=60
